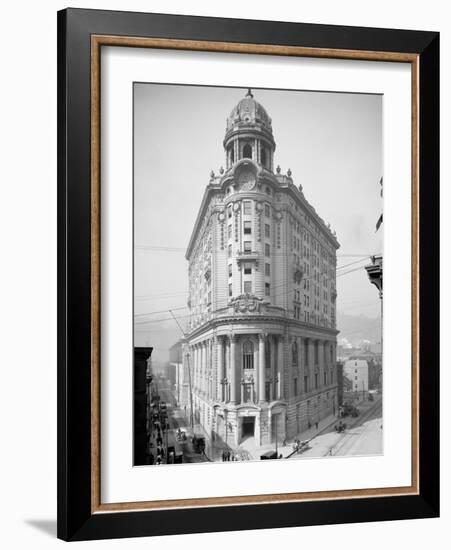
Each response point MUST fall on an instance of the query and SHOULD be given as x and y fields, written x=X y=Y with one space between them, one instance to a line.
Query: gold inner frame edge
x=97 y=41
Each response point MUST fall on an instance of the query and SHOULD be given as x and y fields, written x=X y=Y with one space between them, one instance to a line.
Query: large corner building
x=259 y=357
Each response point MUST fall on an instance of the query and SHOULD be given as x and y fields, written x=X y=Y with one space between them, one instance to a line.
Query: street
x=363 y=439
x=363 y=435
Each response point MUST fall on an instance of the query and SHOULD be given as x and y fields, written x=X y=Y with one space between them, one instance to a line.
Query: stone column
x=311 y=354
x=204 y=366
x=261 y=367
x=195 y=366
x=313 y=364
x=221 y=375
x=273 y=371
x=233 y=369
x=199 y=366
x=321 y=365
x=280 y=367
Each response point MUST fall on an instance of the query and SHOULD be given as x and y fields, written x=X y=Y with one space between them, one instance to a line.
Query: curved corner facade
x=259 y=358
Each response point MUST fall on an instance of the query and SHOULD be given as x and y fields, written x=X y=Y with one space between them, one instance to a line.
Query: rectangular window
x=230 y=289
x=267 y=289
x=267 y=210
x=247 y=228
x=316 y=381
x=305 y=384
x=306 y=346
x=325 y=378
x=247 y=247
x=229 y=250
x=295 y=387
x=230 y=270
x=267 y=391
x=229 y=231
x=267 y=249
x=248 y=287
x=267 y=270
x=247 y=207
x=248 y=269
x=267 y=230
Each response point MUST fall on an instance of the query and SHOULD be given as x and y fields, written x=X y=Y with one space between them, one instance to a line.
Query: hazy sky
x=331 y=141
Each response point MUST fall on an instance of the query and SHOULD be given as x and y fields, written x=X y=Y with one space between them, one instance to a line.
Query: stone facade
x=261 y=349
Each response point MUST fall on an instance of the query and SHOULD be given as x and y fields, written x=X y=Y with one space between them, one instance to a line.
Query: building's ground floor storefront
x=232 y=425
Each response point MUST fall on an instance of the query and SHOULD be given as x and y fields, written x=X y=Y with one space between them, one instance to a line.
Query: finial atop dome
x=249 y=112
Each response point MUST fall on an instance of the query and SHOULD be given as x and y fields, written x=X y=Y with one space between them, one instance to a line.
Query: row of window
x=247 y=209
x=247 y=153
x=247 y=269
x=247 y=229
x=247 y=249
x=247 y=288
x=295 y=353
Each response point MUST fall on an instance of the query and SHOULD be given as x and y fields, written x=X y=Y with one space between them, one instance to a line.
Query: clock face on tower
x=246 y=179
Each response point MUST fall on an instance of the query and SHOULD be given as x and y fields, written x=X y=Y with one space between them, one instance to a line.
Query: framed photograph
x=248 y=274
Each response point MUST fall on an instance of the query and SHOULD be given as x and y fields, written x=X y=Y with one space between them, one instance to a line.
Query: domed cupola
x=249 y=112
x=249 y=134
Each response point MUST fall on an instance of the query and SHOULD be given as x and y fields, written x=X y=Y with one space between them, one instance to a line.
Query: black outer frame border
x=75 y=521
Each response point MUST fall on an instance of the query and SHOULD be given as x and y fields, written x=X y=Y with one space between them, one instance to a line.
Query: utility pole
x=375 y=275
x=189 y=372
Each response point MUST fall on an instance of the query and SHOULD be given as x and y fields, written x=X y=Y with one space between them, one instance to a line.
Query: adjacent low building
x=356 y=370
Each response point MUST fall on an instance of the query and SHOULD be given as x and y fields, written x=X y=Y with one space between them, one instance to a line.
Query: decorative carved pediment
x=246 y=303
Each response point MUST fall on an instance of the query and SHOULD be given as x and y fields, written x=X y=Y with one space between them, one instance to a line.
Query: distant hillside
x=358 y=327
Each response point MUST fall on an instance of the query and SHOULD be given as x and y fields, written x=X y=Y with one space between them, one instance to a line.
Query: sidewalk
x=326 y=424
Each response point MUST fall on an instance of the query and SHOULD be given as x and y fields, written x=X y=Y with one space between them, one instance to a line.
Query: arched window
x=248 y=354
x=263 y=157
x=294 y=354
x=268 y=354
x=247 y=151
x=232 y=154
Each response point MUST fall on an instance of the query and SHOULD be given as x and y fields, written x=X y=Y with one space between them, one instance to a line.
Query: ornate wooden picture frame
x=81 y=36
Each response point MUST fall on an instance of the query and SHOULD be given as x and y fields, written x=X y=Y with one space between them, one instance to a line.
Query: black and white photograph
x=258 y=257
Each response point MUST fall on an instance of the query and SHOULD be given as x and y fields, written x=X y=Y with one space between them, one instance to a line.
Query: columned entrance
x=247 y=427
